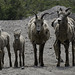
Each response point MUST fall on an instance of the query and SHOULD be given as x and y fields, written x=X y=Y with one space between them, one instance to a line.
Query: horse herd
x=39 y=33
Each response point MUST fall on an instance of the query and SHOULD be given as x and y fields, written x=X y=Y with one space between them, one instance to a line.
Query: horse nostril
x=38 y=32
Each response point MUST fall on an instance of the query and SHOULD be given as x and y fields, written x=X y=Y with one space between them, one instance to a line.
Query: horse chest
x=17 y=45
x=62 y=35
x=39 y=39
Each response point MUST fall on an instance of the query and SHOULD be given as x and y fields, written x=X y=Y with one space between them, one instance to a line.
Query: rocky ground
x=49 y=55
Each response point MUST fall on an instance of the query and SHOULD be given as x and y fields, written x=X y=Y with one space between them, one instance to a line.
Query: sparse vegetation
x=17 y=9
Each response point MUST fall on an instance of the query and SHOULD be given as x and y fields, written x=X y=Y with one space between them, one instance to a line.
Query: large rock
x=54 y=10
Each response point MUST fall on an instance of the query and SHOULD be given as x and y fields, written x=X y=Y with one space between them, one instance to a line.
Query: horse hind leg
x=23 y=57
x=0 y=60
x=0 y=65
x=73 y=53
x=3 y=57
x=35 y=55
x=9 y=54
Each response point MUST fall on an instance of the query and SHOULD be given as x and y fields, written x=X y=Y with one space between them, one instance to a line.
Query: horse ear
x=60 y=9
x=58 y=13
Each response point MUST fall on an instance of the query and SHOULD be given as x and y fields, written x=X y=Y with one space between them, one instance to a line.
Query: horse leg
x=9 y=54
x=3 y=57
x=20 y=58
x=59 y=53
x=0 y=64
x=73 y=53
x=39 y=55
x=66 y=45
x=41 y=49
x=16 y=61
x=1 y=53
x=56 y=48
x=23 y=57
x=35 y=55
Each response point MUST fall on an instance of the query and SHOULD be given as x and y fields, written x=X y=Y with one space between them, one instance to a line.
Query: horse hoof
x=0 y=68
x=42 y=65
x=16 y=66
x=58 y=65
x=61 y=60
x=10 y=65
x=67 y=65
x=73 y=64
x=35 y=64
x=22 y=67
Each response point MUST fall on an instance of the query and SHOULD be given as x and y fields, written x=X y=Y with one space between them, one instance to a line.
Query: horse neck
x=17 y=41
x=64 y=25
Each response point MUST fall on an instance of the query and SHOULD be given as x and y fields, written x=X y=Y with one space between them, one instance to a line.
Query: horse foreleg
x=56 y=48
x=35 y=55
x=59 y=52
x=3 y=57
x=9 y=54
x=20 y=54
x=73 y=53
x=0 y=64
x=16 y=61
x=41 y=49
x=66 y=45
x=23 y=57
